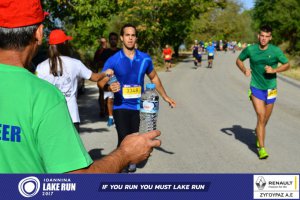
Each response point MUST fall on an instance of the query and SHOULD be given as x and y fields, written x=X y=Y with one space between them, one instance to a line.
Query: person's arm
x=98 y=76
x=133 y=149
x=281 y=68
x=241 y=66
x=103 y=84
x=281 y=59
x=159 y=87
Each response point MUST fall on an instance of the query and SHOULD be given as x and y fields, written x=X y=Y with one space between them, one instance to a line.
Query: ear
x=121 y=38
x=271 y=37
x=258 y=36
x=39 y=34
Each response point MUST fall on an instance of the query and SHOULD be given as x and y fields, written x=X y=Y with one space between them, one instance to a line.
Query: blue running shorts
x=268 y=96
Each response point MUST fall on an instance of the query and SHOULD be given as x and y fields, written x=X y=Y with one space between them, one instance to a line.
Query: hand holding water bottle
x=109 y=72
x=113 y=83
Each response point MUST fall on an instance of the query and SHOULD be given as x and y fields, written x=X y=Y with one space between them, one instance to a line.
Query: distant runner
x=167 y=55
x=197 y=55
x=210 y=52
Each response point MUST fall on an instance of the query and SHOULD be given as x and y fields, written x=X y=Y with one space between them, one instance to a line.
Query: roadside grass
x=294 y=60
x=293 y=72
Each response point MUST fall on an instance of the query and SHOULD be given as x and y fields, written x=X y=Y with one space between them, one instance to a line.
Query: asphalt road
x=211 y=129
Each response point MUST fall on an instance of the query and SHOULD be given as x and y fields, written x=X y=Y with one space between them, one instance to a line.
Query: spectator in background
x=106 y=100
x=97 y=64
x=63 y=71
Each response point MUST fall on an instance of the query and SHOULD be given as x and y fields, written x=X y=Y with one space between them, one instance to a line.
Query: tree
x=283 y=16
x=85 y=20
x=158 y=21
x=161 y=22
x=223 y=24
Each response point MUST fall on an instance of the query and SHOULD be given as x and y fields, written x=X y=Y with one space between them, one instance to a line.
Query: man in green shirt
x=264 y=59
x=36 y=131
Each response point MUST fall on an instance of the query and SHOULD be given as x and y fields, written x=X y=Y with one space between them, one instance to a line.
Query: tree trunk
x=176 y=51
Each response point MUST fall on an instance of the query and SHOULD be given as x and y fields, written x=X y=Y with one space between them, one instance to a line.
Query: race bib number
x=210 y=54
x=272 y=93
x=132 y=91
x=167 y=56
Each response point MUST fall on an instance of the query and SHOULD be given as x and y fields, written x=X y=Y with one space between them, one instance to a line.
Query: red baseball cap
x=19 y=13
x=58 y=36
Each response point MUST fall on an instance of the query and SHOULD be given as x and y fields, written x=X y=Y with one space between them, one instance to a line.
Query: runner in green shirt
x=36 y=131
x=264 y=59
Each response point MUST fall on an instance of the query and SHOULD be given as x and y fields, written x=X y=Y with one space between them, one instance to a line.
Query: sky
x=248 y=3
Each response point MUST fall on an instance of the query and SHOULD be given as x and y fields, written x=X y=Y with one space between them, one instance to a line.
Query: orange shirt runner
x=167 y=54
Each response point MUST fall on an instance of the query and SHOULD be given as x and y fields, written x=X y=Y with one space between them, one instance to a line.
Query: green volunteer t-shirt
x=258 y=61
x=36 y=131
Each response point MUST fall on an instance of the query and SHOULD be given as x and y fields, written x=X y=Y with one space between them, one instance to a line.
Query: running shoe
x=262 y=153
x=110 y=122
x=131 y=168
x=195 y=63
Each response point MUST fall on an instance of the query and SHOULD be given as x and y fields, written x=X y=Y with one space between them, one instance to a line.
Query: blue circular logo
x=29 y=187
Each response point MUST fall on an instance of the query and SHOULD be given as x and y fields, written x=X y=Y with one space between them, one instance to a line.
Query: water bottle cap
x=150 y=86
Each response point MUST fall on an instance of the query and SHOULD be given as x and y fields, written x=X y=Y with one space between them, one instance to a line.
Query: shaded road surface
x=211 y=130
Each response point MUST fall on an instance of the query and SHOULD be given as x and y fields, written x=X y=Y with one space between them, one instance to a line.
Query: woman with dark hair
x=63 y=71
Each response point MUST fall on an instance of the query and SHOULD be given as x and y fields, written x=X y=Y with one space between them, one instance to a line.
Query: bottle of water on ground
x=149 y=109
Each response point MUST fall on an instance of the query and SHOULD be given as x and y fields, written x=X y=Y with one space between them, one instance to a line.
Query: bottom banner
x=149 y=186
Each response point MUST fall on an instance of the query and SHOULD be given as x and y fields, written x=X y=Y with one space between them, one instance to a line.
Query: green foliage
x=284 y=17
x=85 y=20
x=223 y=24
x=161 y=22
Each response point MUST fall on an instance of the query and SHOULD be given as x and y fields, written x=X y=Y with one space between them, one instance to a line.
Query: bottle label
x=112 y=80
x=149 y=106
x=132 y=91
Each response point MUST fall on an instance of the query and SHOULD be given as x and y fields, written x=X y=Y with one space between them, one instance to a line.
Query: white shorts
x=108 y=95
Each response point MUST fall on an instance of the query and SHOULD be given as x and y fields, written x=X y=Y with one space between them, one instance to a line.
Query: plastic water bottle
x=112 y=79
x=149 y=109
